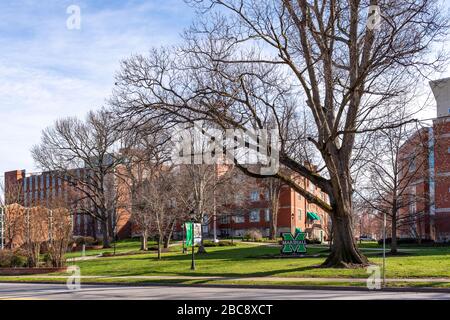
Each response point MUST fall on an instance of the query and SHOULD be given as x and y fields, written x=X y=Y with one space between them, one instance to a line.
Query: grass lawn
x=121 y=246
x=247 y=260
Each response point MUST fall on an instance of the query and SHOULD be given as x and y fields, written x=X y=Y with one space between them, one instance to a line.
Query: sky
x=49 y=70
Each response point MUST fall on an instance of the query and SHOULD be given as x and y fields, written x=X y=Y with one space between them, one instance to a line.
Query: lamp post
x=193 y=247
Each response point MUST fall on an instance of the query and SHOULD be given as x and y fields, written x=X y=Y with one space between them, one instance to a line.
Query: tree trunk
x=159 y=247
x=168 y=235
x=394 y=247
x=105 y=233
x=201 y=248
x=167 y=240
x=144 y=241
x=274 y=219
x=344 y=252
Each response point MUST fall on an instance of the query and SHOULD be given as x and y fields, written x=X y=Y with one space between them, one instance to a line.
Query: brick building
x=294 y=210
x=294 y=213
x=429 y=148
x=47 y=189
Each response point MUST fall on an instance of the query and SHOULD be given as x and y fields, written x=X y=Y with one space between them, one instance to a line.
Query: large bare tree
x=262 y=64
x=85 y=155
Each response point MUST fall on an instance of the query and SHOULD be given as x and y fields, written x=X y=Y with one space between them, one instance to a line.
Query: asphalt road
x=13 y=291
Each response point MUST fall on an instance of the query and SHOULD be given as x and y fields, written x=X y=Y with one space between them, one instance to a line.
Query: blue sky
x=48 y=71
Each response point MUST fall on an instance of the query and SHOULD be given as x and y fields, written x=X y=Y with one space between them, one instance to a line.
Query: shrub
x=88 y=241
x=253 y=235
x=107 y=254
x=12 y=259
x=223 y=243
x=226 y=244
x=5 y=258
x=401 y=241
x=19 y=261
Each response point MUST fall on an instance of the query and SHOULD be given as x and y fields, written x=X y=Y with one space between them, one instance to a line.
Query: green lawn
x=250 y=260
x=246 y=260
x=121 y=246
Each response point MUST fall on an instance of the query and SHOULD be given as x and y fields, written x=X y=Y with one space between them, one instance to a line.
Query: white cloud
x=48 y=72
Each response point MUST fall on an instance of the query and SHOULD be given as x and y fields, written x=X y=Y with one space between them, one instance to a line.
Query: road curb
x=243 y=286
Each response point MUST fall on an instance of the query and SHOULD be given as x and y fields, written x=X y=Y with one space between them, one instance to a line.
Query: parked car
x=366 y=238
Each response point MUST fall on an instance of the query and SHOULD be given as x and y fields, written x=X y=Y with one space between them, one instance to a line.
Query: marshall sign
x=293 y=245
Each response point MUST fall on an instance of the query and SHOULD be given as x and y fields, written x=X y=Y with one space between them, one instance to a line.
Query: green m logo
x=293 y=244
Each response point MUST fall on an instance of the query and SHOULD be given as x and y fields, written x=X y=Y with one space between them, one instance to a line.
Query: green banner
x=189 y=233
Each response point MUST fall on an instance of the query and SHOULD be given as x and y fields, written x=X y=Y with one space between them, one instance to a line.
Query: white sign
x=197 y=233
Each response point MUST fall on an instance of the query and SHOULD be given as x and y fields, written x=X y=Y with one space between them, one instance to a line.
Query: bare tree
x=273 y=187
x=60 y=231
x=391 y=172
x=85 y=155
x=12 y=213
x=249 y=64
x=159 y=203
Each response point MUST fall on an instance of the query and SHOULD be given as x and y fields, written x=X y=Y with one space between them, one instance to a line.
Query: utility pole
x=214 y=205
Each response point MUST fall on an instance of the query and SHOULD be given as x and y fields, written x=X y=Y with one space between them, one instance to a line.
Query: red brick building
x=44 y=189
x=294 y=210
x=429 y=148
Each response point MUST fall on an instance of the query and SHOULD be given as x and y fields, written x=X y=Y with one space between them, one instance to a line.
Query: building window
x=254 y=196
x=448 y=150
x=224 y=220
x=254 y=216
x=312 y=187
x=449 y=111
x=412 y=165
x=267 y=195
x=31 y=183
x=267 y=214
x=42 y=182
x=299 y=214
x=299 y=196
x=239 y=219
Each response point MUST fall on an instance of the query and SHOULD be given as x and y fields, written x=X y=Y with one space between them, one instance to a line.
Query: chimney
x=441 y=91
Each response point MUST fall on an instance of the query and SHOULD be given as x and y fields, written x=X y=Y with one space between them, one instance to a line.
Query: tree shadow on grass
x=232 y=254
